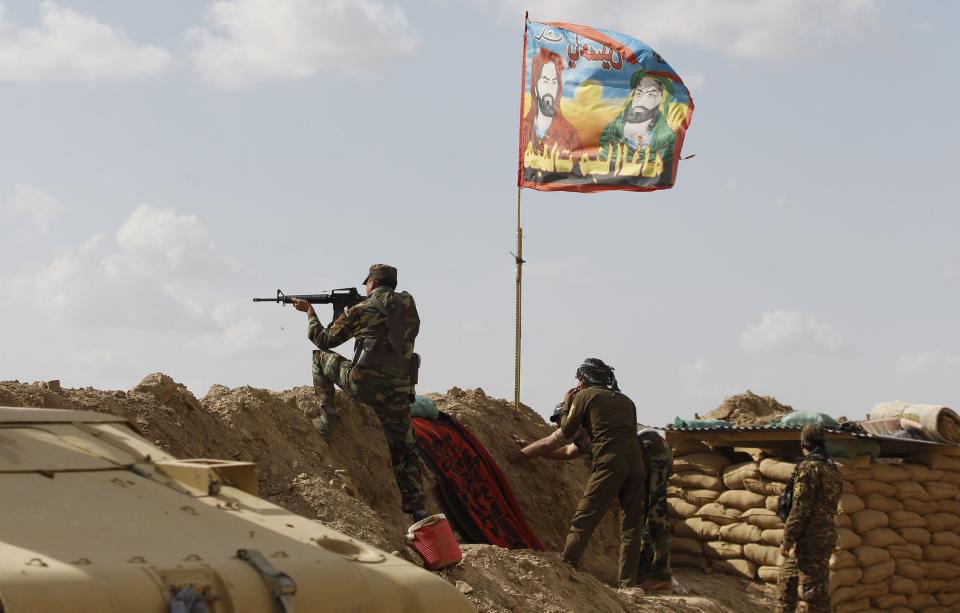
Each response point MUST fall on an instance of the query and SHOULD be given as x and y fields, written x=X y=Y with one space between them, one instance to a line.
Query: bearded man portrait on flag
x=544 y=125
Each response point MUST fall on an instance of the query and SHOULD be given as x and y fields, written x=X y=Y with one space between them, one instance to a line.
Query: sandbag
x=762 y=518
x=706 y=463
x=743 y=568
x=719 y=514
x=868 y=519
x=683 y=559
x=940 y=553
x=740 y=533
x=950 y=477
x=867 y=555
x=872 y=590
x=854 y=606
x=847 y=539
x=908 y=551
x=846 y=577
x=906 y=519
x=938 y=522
x=722 y=550
x=903 y=585
x=843 y=521
x=882 y=537
x=772 y=537
x=681 y=544
x=842 y=559
x=850 y=504
x=879 y=502
x=852 y=448
x=936 y=461
x=841 y=595
x=688 y=446
x=772 y=503
x=700 y=497
x=946 y=599
x=762 y=555
x=940 y=490
x=917 y=536
x=946 y=538
x=697 y=481
x=947 y=571
x=872 y=486
x=918 y=602
x=768 y=574
x=878 y=572
x=766 y=488
x=929 y=586
x=948 y=506
x=734 y=475
x=741 y=499
x=911 y=489
x=855 y=474
x=888 y=601
x=777 y=470
x=696 y=528
x=679 y=508
x=913 y=505
x=848 y=488
x=889 y=473
x=919 y=472
x=911 y=569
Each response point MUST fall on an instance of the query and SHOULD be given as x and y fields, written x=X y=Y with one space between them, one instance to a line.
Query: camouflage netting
x=347 y=484
x=749 y=409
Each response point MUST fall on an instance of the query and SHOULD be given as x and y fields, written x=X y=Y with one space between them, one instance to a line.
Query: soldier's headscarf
x=595 y=372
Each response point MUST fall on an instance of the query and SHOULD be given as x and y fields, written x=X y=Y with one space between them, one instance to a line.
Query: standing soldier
x=655 y=574
x=382 y=374
x=810 y=534
x=610 y=419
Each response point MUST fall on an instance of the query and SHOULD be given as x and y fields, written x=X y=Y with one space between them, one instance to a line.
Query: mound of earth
x=749 y=409
x=346 y=483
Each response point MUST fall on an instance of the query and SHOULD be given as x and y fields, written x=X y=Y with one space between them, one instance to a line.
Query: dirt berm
x=347 y=484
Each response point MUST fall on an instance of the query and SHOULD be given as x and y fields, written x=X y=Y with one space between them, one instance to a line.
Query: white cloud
x=160 y=270
x=754 y=29
x=70 y=45
x=928 y=364
x=34 y=208
x=258 y=40
x=789 y=332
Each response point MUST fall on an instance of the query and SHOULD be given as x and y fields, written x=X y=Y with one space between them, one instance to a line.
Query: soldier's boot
x=657 y=586
x=326 y=418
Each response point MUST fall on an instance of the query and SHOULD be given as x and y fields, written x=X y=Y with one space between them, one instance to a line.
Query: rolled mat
x=477 y=499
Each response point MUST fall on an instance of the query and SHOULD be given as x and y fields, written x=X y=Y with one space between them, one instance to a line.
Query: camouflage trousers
x=655 y=553
x=810 y=572
x=390 y=400
x=614 y=476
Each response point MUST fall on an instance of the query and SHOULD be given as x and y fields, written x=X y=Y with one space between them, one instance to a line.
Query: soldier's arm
x=572 y=421
x=540 y=448
x=567 y=452
x=804 y=490
x=340 y=331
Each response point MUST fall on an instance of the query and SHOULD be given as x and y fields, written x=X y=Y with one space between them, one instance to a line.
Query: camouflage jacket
x=364 y=320
x=816 y=492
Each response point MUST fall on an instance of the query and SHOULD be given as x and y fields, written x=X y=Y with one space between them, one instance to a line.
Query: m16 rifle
x=339 y=298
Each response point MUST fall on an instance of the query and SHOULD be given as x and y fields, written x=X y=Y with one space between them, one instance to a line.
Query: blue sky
x=165 y=162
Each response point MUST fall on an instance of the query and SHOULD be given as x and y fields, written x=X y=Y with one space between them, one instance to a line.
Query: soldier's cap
x=382 y=273
x=812 y=436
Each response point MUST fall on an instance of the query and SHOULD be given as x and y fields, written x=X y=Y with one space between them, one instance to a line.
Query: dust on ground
x=749 y=409
x=346 y=483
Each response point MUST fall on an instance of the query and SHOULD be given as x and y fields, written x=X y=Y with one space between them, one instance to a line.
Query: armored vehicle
x=93 y=517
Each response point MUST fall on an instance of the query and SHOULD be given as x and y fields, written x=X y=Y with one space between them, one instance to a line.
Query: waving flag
x=600 y=111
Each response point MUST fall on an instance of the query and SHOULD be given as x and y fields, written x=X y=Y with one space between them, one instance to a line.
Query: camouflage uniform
x=655 y=554
x=811 y=526
x=387 y=390
x=618 y=472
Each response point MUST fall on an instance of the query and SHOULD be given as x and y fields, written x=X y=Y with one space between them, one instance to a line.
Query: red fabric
x=481 y=488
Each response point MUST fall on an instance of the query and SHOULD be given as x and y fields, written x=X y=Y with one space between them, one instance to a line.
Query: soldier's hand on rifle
x=302 y=305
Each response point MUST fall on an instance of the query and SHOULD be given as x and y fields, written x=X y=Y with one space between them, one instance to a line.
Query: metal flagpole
x=519 y=302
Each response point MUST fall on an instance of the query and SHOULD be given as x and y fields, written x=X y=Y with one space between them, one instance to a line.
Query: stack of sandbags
x=696 y=483
x=900 y=522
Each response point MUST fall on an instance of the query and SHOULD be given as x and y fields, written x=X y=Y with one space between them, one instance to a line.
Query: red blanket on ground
x=477 y=497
